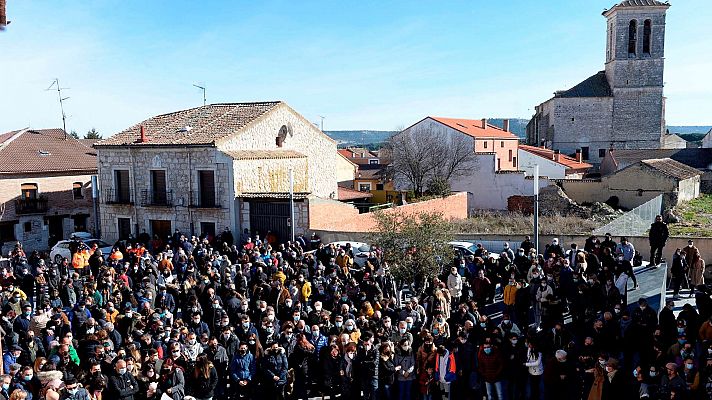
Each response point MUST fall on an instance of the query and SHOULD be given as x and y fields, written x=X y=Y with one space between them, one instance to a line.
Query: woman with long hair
x=202 y=381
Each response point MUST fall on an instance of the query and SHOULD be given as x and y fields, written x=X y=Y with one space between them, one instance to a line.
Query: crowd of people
x=244 y=318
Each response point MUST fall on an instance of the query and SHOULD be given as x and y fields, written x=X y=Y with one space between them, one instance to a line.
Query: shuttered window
x=123 y=192
x=206 y=183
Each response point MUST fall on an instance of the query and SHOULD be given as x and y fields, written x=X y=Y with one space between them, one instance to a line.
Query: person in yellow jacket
x=343 y=260
x=80 y=260
x=306 y=290
x=510 y=295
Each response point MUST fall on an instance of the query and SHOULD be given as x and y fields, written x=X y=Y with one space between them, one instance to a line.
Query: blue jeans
x=535 y=387
x=404 y=390
x=494 y=391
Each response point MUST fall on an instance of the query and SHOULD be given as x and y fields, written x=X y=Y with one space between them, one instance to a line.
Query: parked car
x=465 y=249
x=61 y=249
x=361 y=251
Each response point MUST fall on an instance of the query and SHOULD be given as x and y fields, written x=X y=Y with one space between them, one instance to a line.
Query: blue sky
x=361 y=64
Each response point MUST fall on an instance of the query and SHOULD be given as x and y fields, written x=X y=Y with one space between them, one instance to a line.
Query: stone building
x=638 y=183
x=207 y=168
x=45 y=188
x=621 y=107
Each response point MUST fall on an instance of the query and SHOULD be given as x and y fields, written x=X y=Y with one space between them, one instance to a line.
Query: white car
x=464 y=249
x=61 y=249
x=361 y=251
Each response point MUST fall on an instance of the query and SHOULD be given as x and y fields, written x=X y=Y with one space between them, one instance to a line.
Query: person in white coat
x=454 y=285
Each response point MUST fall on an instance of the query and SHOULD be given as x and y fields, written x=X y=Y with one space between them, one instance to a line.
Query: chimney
x=505 y=124
x=579 y=156
x=557 y=155
x=484 y=123
x=143 y=138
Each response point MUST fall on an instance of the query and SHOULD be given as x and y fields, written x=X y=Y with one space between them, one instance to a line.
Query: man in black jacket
x=658 y=237
x=122 y=385
x=367 y=363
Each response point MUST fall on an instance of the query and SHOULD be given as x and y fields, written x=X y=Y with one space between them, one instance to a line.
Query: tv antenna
x=322 y=122
x=55 y=84
x=203 y=89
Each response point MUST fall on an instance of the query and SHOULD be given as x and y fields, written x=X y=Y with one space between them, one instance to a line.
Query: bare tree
x=420 y=156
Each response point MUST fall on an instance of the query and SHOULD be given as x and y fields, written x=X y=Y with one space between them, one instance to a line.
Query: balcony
x=157 y=198
x=113 y=196
x=203 y=200
x=31 y=206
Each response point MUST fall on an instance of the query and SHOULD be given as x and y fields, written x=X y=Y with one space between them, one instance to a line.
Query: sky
x=360 y=64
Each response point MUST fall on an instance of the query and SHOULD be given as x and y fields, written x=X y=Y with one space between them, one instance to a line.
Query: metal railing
x=162 y=198
x=198 y=200
x=31 y=206
x=635 y=222
x=114 y=196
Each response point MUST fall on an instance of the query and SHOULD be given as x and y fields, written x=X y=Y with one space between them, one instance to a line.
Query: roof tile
x=44 y=150
x=672 y=168
x=473 y=128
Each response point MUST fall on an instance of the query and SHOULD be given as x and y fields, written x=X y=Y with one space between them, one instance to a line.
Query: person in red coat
x=490 y=367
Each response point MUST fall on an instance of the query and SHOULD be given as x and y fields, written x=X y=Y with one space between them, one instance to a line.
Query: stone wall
x=181 y=166
x=304 y=138
x=330 y=215
x=270 y=175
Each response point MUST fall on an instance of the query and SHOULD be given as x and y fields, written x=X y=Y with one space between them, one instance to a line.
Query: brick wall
x=329 y=215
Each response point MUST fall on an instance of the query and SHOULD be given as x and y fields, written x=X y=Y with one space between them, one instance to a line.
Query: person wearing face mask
x=197 y=326
x=274 y=366
x=454 y=285
x=405 y=374
x=73 y=391
x=122 y=385
x=367 y=362
x=543 y=293
x=172 y=381
x=490 y=365
x=242 y=373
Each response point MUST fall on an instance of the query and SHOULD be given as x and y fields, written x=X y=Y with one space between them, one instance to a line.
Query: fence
x=635 y=222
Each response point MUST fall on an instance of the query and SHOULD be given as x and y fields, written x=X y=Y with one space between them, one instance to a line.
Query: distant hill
x=353 y=138
x=681 y=130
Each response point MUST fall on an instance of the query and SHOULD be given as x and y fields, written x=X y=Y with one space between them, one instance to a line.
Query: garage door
x=270 y=216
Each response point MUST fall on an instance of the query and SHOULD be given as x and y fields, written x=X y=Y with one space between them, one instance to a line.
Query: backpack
x=637 y=259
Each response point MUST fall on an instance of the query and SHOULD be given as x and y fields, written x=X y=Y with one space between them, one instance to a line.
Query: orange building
x=488 y=139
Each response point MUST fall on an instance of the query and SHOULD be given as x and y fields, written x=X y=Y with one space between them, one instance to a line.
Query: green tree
x=74 y=134
x=92 y=134
x=415 y=245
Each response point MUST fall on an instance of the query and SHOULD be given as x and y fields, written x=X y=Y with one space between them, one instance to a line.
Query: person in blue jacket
x=242 y=372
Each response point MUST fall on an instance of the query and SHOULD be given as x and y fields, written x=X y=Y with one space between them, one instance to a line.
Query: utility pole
x=203 y=89
x=291 y=202
x=322 y=122
x=536 y=208
x=61 y=103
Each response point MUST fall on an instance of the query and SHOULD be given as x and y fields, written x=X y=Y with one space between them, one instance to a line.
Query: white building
x=551 y=163
x=206 y=168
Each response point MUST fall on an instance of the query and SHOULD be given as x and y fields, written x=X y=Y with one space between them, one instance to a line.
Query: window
x=485 y=144
x=610 y=41
x=501 y=143
x=80 y=222
x=7 y=231
x=206 y=188
x=632 y=37
x=160 y=228
x=158 y=187
x=28 y=226
x=77 y=191
x=584 y=153
x=121 y=182
x=207 y=228
x=29 y=191
x=373 y=162
x=364 y=187
x=514 y=162
x=124 y=228
x=647 y=34
x=379 y=186
x=601 y=153
x=279 y=141
x=499 y=164
x=510 y=155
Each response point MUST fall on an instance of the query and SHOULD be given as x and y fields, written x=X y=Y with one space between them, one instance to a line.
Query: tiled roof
x=699 y=158
x=264 y=154
x=272 y=195
x=351 y=194
x=44 y=150
x=372 y=171
x=205 y=125
x=593 y=86
x=672 y=168
x=564 y=160
x=473 y=128
x=641 y=3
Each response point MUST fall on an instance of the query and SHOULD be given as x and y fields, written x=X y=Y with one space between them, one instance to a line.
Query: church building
x=621 y=107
